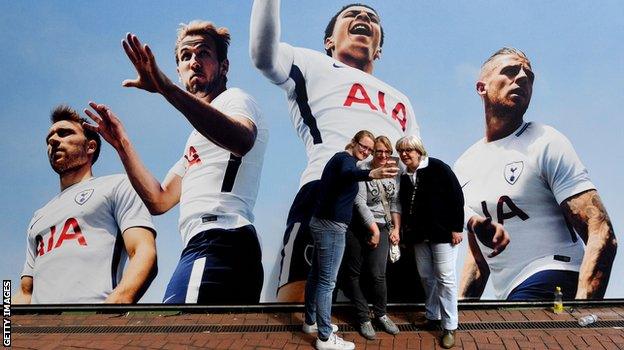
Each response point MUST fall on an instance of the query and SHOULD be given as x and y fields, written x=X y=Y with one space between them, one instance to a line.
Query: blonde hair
x=358 y=137
x=385 y=141
x=411 y=142
x=485 y=67
x=220 y=36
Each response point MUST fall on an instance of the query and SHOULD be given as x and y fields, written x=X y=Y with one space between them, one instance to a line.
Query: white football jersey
x=75 y=250
x=329 y=102
x=219 y=189
x=519 y=181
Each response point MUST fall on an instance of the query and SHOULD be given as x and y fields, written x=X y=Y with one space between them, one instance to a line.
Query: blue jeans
x=329 y=245
x=436 y=266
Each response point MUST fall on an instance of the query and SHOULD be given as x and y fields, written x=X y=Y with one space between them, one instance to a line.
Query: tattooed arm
x=589 y=218
x=475 y=273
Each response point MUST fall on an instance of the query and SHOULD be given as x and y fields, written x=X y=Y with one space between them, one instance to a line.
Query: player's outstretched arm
x=237 y=134
x=158 y=198
x=264 y=40
x=589 y=218
x=142 y=267
x=475 y=273
x=24 y=295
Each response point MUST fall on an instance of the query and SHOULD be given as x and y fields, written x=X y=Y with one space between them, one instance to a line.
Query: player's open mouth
x=361 y=29
x=196 y=77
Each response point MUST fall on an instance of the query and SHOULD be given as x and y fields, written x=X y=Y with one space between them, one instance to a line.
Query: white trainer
x=309 y=329
x=334 y=342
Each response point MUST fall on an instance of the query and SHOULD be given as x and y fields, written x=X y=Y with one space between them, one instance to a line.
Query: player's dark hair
x=329 y=30
x=64 y=112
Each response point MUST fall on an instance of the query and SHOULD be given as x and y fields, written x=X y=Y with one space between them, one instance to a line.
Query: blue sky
x=69 y=52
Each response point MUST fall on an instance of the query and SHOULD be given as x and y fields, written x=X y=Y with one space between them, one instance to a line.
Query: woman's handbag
x=394 y=253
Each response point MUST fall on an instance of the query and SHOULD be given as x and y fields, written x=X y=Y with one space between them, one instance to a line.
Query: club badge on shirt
x=513 y=171
x=83 y=196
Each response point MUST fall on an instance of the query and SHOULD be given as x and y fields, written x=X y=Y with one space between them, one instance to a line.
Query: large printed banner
x=226 y=147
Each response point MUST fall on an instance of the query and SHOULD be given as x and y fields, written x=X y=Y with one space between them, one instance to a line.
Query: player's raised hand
x=150 y=77
x=107 y=124
x=491 y=234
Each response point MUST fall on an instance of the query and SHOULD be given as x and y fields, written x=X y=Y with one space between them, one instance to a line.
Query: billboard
x=431 y=53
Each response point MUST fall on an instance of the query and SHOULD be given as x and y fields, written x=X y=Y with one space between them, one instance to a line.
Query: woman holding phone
x=337 y=191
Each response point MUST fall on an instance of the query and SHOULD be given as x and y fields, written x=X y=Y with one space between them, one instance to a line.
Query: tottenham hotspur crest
x=83 y=196
x=513 y=171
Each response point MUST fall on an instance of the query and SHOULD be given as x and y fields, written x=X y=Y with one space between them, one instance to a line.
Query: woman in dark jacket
x=337 y=191
x=432 y=221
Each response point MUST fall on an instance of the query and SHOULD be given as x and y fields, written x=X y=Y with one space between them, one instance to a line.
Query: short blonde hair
x=220 y=36
x=385 y=141
x=486 y=66
x=411 y=142
x=358 y=137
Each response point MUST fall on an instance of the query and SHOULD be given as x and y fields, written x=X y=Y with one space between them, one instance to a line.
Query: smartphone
x=392 y=162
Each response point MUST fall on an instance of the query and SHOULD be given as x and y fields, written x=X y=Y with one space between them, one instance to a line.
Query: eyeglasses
x=365 y=148
x=406 y=150
x=380 y=152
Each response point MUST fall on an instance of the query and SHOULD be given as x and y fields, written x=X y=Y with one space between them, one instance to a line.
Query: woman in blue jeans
x=432 y=220
x=337 y=191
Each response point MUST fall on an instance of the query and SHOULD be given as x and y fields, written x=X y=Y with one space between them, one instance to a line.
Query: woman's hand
x=456 y=238
x=373 y=241
x=394 y=236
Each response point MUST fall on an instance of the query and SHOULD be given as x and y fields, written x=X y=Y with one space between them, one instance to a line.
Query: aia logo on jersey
x=83 y=196
x=71 y=231
x=359 y=95
x=192 y=157
x=513 y=171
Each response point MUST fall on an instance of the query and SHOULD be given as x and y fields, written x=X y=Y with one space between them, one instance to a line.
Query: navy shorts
x=218 y=266
x=297 y=246
x=541 y=286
